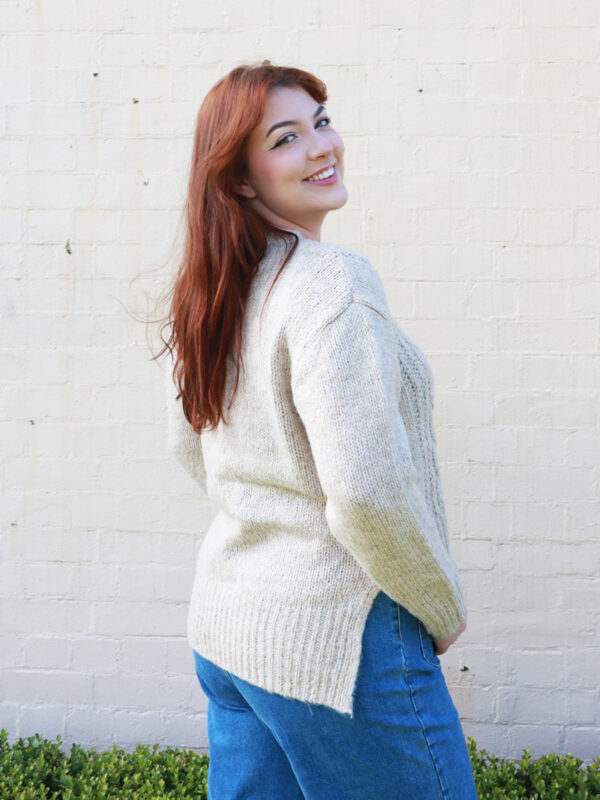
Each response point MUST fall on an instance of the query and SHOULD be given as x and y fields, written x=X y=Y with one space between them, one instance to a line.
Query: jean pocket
x=427 y=650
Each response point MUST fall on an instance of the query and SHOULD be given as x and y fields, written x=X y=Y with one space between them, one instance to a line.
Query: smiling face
x=280 y=158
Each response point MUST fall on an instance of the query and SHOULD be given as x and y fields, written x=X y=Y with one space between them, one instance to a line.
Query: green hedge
x=550 y=777
x=37 y=769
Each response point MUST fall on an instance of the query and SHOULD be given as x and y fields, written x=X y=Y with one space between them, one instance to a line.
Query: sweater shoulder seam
x=352 y=301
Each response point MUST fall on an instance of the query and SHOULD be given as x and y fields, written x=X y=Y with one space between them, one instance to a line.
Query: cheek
x=285 y=170
x=265 y=172
x=276 y=173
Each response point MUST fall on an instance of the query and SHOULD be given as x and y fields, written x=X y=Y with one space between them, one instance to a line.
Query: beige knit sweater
x=325 y=483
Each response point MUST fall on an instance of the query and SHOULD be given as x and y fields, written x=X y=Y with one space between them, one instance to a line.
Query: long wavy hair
x=225 y=239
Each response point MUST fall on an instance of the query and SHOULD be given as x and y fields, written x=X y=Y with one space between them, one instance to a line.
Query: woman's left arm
x=182 y=440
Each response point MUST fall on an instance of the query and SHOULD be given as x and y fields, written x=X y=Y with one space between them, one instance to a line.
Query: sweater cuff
x=445 y=617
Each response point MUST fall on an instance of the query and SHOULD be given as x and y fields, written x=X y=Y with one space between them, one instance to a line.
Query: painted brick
x=101 y=653
x=147 y=653
x=471 y=163
x=581 y=742
x=538 y=739
x=90 y=724
x=33 y=719
x=187 y=731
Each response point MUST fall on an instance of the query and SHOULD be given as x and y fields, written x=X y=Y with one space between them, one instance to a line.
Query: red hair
x=225 y=238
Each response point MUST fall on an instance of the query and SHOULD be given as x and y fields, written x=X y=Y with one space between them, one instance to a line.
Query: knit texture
x=325 y=482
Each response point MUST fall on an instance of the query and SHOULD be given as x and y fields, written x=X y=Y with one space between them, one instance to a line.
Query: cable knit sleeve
x=182 y=440
x=346 y=382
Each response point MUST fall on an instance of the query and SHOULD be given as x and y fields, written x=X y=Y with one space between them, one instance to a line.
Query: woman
x=324 y=589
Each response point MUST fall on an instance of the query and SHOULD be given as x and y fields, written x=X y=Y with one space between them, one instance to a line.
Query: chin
x=342 y=201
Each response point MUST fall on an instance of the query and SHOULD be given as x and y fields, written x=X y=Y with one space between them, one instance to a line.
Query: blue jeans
x=405 y=741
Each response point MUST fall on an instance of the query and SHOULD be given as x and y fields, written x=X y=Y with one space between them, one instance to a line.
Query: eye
x=326 y=120
x=282 y=140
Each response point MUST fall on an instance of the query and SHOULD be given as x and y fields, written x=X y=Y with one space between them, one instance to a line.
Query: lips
x=322 y=169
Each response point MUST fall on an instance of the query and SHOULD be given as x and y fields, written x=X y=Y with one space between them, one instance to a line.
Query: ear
x=245 y=189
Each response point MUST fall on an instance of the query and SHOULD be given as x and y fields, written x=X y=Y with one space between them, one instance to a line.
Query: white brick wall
x=472 y=162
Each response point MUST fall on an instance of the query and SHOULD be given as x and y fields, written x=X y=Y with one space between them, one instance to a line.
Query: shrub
x=549 y=777
x=37 y=769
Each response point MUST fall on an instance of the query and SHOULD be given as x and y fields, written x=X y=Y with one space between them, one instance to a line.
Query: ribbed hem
x=303 y=651
x=448 y=615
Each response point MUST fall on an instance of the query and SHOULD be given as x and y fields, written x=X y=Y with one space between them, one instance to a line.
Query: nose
x=320 y=145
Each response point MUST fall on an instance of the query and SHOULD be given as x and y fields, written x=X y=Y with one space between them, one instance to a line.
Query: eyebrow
x=291 y=121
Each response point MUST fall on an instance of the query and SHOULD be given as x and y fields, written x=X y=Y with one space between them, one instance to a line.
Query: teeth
x=325 y=174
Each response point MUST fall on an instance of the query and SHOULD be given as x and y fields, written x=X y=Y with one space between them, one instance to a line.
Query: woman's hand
x=441 y=645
